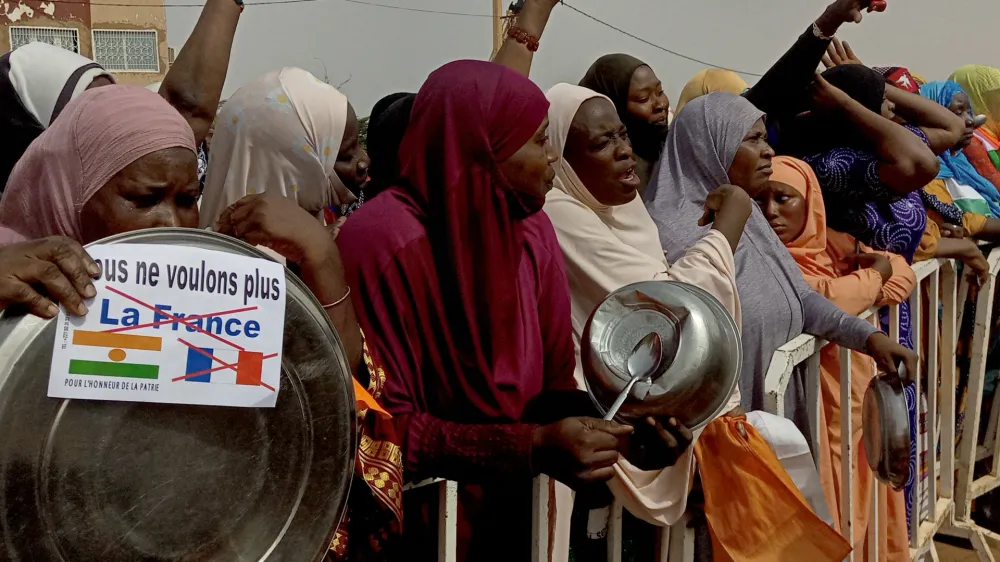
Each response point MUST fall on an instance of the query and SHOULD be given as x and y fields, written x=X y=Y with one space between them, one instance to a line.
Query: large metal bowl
x=702 y=352
x=103 y=481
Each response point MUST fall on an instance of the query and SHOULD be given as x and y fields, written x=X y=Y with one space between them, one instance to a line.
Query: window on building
x=126 y=50
x=64 y=37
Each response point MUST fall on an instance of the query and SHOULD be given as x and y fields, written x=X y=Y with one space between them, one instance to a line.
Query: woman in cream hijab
x=607 y=237
x=289 y=132
x=609 y=240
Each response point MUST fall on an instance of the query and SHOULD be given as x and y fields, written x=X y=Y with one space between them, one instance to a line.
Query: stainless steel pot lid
x=886 y=426
x=117 y=481
x=702 y=352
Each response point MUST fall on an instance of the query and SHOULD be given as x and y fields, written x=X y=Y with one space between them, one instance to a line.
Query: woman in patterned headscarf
x=982 y=84
x=984 y=198
x=290 y=133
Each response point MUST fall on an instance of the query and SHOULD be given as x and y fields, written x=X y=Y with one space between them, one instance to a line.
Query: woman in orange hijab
x=855 y=278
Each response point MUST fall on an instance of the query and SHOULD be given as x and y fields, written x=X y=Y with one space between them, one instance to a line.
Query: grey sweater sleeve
x=823 y=319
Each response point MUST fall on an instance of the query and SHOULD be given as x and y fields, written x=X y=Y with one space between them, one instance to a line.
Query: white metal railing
x=968 y=487
x=938 y=506
x=934 y=279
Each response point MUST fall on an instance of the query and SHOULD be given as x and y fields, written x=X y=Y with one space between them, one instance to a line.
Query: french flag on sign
x=223 y=366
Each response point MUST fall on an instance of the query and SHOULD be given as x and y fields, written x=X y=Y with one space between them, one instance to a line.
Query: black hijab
x=386 y=127
x=611 y=76
x=817 y=134
x=863 y=84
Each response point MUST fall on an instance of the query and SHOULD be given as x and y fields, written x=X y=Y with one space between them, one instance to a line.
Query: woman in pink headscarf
x=119 y=159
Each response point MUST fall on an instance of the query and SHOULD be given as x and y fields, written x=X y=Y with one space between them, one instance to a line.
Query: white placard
x=176 y=325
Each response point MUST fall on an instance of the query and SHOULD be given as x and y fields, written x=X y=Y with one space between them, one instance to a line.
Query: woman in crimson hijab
x=458 y=280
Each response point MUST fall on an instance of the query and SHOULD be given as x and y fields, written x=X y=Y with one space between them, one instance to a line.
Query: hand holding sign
x=54 y=267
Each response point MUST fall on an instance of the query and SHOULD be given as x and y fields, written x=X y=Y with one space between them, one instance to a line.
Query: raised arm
x=943 y=128
x=784 y=85
x=194 y=83
x=515 y=54
x=905 y=163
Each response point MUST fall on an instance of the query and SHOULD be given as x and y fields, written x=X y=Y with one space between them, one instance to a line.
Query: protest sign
x=176 y=325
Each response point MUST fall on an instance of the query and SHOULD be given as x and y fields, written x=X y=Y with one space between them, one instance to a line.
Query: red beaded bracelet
x=522 y=37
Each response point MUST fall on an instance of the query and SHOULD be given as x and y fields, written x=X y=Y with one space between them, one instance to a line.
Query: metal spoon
x=642 y=363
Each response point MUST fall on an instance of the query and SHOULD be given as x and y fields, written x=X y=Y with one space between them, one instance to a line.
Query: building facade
x=127 y=37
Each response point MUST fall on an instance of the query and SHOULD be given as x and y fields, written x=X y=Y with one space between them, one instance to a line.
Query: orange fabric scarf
x=755 y=513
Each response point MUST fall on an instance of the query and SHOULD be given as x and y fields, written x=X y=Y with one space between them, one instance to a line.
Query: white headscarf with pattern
x=281 y=132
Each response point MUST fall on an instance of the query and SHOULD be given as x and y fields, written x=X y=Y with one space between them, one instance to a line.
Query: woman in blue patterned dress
x=872 y=167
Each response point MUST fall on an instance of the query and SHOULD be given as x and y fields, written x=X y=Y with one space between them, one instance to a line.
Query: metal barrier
x=947 y=508
x=970 y=452
x=934 y=279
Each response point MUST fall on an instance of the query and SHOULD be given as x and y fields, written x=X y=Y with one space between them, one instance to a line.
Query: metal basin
x=102 y=481
x=702 y=352
x=886 y=426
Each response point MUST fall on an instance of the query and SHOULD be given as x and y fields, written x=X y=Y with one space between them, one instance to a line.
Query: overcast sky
x=379 y=51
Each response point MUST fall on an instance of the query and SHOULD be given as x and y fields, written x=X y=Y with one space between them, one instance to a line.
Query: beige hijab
x=281 y=132
x=606 y=248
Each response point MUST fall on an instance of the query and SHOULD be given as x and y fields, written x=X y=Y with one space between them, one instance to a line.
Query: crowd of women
x=460 y=256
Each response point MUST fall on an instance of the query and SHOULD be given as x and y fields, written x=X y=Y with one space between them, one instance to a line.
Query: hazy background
x=379 y=50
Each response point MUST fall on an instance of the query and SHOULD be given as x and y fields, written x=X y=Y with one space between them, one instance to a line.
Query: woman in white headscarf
x=36 y=82
x=289 y=132
x=607 y=237
x=608 y=241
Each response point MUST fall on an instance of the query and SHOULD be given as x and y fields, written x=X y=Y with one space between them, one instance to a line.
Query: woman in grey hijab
x=720 y=139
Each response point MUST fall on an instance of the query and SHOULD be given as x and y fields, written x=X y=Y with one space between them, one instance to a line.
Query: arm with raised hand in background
x=784 y=86
x=532 y=18
x=193 y=85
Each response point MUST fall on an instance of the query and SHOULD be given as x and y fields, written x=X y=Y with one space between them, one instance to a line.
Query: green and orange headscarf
x=982 y=84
